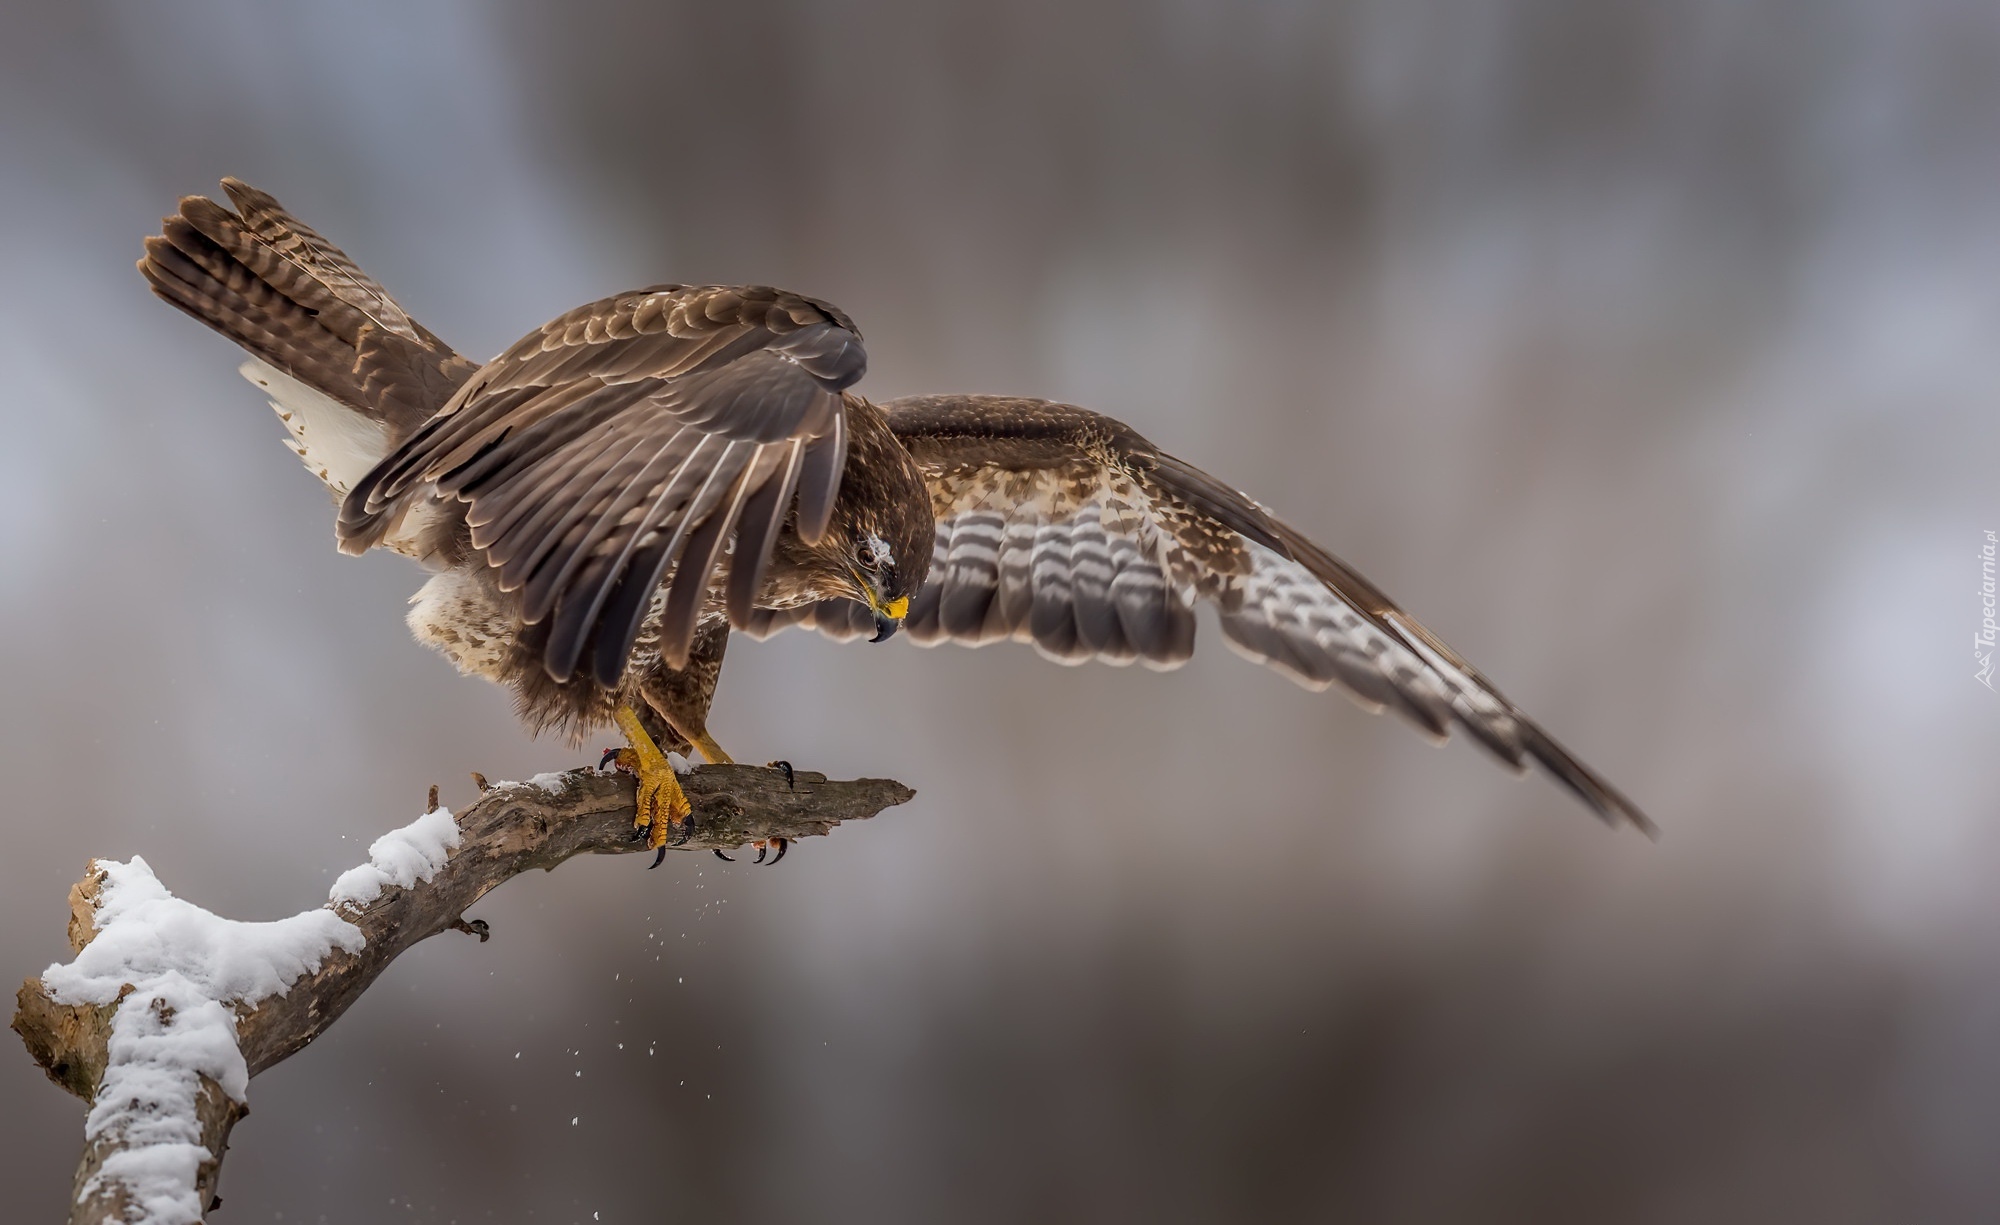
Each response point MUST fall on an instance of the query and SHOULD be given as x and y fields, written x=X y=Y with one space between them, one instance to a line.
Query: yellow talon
x=662 y=803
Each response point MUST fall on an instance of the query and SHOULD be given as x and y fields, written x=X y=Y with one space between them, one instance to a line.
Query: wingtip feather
x=1599 y=796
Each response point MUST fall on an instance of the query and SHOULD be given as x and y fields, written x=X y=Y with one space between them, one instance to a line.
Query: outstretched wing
x=1066 y=529
x=640 y=433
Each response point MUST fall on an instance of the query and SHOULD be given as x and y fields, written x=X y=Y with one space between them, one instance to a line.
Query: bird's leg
x=681 y=697
x=711 y=752
x=662 y=803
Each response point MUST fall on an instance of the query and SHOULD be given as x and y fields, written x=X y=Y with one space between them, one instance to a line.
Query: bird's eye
x=875 y=553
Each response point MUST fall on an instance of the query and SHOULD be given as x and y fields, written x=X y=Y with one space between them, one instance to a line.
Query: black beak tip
x=885 y=628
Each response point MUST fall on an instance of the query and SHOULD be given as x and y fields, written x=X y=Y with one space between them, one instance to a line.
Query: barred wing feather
x=1066 y=530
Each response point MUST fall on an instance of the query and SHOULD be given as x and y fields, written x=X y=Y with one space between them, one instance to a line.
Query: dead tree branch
x=157 y=1130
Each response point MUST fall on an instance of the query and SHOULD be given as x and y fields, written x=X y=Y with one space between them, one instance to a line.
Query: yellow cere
x=898 y=608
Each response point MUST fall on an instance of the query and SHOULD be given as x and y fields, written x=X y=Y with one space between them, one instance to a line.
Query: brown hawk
x=605 y=500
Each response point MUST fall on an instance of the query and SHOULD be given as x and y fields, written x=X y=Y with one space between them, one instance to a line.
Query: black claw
x=658 y=859
x=760 y=855
x=725 y=858
x=790 y=780
x=784 y=844
x=606 y=759
x=682 y=832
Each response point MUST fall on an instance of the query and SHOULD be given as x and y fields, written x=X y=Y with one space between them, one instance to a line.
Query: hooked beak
x=888 y=616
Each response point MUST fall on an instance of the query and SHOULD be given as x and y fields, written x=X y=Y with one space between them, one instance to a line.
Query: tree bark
x=512 y=828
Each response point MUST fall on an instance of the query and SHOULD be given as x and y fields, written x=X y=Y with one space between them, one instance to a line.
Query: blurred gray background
x=1645 y=350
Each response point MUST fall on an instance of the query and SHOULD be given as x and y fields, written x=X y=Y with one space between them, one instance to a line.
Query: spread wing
x=1066 y=529
x=642 y=432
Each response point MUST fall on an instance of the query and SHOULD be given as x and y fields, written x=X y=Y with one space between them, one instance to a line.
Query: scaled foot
x=663 y=807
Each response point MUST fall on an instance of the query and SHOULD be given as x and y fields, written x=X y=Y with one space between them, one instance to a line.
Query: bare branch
x=512 y=828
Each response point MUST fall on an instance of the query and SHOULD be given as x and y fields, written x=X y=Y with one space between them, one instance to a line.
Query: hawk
x=603 y=502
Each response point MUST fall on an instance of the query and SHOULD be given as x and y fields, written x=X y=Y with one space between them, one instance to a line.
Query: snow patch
x=400 y=857
x=185 y=968
x=163 y=1038
x=183 y=972
x=145 y=935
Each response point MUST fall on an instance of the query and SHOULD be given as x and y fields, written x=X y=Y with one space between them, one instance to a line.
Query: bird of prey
x=605 y=500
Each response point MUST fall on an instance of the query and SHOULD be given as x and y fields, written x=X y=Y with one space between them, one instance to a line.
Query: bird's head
x=877 y=548
x=885 y=563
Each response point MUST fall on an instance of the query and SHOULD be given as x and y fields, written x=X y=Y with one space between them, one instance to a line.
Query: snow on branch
x=168 y=1010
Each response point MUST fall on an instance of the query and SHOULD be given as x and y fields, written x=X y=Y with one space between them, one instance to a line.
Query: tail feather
x=200 y=278
x=325 y=268
x=296 y=302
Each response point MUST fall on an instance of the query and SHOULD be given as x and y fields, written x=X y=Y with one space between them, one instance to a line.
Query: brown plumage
x=607 y=498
